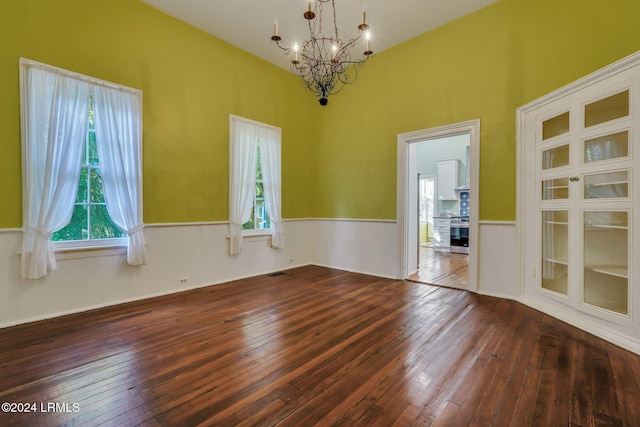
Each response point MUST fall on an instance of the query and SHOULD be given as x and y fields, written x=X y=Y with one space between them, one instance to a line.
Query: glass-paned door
x=585 y=190
x=578 y=205
x=555 y=251
x=606 y=260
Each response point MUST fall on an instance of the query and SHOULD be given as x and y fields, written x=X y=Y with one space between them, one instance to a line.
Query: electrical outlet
x=183 y=280
x=290 y=259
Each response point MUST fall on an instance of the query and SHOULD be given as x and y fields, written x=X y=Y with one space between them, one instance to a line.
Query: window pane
x=555 y=126
x=261 y=215
x=91 y=116
x=555 y=251
x=84 y=152
x=553 y=189
x=97 y=196
x=610 y=185
x=259 y=167
x=82 y=186
x=606 y=260
x=101 y=225
x=259 y=190
x=607 y=109
x=555 y=157
x=606 y=147
x=76 y=229
x=250 y=225
x=93 y=149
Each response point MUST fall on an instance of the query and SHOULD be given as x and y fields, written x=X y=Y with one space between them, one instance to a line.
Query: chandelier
x=324 y=61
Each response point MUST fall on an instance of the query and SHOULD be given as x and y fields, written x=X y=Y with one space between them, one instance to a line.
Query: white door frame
x=472 y=128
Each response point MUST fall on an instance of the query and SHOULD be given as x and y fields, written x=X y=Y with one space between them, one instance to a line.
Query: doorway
x=409 y=210
x=426 y=203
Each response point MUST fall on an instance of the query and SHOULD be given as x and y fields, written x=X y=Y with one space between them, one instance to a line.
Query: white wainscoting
x=497 y=259
x=363 y=246
x=199 y=252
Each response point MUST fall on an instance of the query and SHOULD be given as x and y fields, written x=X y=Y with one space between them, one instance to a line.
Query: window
x=69 y=121
x=259 y=217
x=90 y=219
x=254 y=182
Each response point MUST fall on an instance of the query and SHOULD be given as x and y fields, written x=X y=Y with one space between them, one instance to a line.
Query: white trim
x=10 y=230
x=382 y=276
x=89 y=244
x=255 y=237
x=496 y=295
x=580 y=322
x=185 y=224
x=145 y=297
x=485 y=222
x=389 y=221
x=205 y=223
x=257 y=232
x=81 y=252
x=471 y=127
x=617 y=67
x=90 y=252
x=234 y=118
x=72 y=74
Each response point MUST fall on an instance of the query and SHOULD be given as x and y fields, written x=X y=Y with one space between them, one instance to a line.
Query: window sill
x=80 y=252
x=257 y=233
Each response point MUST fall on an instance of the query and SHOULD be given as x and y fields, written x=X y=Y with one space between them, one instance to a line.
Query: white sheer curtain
x=119 y=135
x=242 y=179
x=270 y=159
x=55 y=112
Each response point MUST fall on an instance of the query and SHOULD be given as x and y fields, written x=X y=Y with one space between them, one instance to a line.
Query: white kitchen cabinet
x=580 y=202
x=447 y=179
x=441 y=234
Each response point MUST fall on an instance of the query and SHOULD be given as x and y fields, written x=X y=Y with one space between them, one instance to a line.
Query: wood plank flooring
x=443 y=268
x=316 y=346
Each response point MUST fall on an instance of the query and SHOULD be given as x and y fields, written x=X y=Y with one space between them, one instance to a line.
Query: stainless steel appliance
x=459 y=239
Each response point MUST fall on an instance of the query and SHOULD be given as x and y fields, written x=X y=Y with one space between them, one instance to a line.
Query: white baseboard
x=382 y=276
x=495 y=294
x=141 y=298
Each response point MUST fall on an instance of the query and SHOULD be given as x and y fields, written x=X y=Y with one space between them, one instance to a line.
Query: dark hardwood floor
x=443 y=268
x=316 y=346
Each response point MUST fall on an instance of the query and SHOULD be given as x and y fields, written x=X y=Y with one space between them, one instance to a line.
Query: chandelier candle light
x=324 y=61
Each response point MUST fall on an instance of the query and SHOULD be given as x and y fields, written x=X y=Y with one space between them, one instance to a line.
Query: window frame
x=75 y=248
x=258 y=231
x=264 y=233
x=89 y=166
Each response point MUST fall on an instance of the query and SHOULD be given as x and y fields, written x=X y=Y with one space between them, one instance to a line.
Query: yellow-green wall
x=191 y=82
x=484 y=66
x=338 y=161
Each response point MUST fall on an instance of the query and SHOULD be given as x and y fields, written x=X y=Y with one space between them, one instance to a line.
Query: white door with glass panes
x=581 y=152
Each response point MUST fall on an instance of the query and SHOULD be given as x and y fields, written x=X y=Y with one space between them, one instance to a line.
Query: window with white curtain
x=259 y=219
x=254 y=182
x=90 y=222
x=82 y=169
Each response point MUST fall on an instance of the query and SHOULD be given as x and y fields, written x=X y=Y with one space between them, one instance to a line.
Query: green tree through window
x=90 y=219
x=259 y=219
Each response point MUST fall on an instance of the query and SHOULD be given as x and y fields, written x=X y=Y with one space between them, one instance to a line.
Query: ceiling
x=248 y=24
